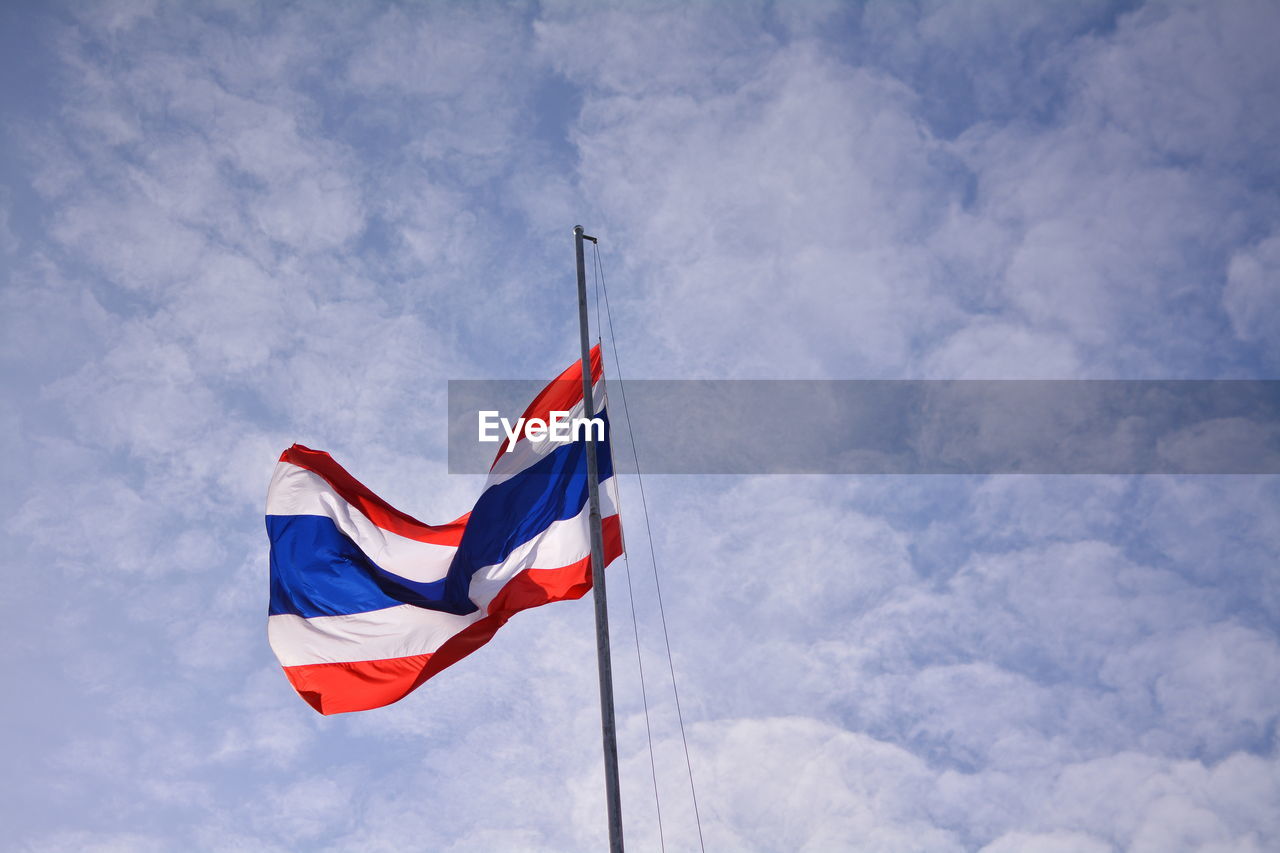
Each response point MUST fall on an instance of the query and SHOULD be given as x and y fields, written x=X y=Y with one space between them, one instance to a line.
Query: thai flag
x=367 y=603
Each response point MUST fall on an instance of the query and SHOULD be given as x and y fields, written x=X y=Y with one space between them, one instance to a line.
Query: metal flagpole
x=608 y=728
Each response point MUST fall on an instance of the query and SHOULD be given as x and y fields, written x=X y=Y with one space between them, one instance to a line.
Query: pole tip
x=577 y=229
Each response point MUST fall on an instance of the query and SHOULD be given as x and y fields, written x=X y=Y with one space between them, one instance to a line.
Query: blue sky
x=226 y=227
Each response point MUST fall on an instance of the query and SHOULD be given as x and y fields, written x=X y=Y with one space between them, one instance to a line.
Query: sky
x=226 y=227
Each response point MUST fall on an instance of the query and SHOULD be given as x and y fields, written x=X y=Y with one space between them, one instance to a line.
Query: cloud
x=1252 y=297
x=232 y=227
x=777 y=191
x=1186 y=80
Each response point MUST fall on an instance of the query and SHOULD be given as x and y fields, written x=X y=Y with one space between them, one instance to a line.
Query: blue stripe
x=316 y=570
x=516 y=510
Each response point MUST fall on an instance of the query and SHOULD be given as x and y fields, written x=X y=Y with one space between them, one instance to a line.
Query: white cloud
x=1048 y=842
x=1187 y=81
x=653 y=46
x=1252 y=294
x=243 y=226
x=797 y=784
x=777 y=192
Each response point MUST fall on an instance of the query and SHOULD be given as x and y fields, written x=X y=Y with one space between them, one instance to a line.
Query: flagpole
x=608 y=727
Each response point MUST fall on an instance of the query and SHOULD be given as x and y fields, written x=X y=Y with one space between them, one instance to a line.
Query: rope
x=644 y=505
x=635 y=629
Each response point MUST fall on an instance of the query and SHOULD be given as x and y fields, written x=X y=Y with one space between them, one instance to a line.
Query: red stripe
x=564 y=392
x=336 y=688
x=375 y=508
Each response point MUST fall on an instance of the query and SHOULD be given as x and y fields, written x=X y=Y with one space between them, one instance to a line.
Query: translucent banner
x=910 y=426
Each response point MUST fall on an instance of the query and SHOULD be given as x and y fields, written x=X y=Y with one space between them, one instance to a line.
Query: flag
x=367 y=602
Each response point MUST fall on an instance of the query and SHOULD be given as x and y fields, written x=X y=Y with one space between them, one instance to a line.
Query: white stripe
x=563 y=543
x=526 y=453
x=296 y=491
x=393 y=632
